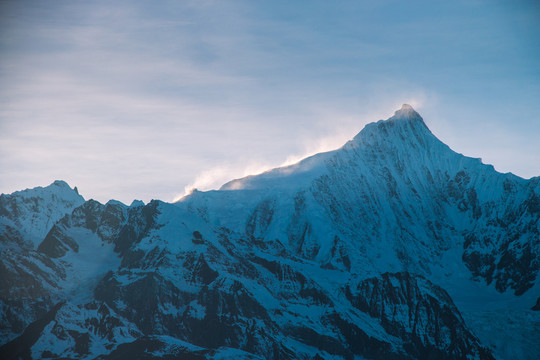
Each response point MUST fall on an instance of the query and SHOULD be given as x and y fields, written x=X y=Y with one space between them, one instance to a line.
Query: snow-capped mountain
x=391 y=247
x=33 y=212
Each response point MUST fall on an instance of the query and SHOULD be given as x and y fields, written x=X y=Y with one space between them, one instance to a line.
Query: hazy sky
x=141 y=99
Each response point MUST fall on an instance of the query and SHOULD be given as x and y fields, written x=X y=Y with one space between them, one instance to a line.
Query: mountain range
x=390 y=247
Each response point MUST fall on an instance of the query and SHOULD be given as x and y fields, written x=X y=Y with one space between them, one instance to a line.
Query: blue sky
x=143 y=99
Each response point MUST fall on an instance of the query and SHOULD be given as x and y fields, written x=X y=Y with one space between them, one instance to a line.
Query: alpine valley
x=391 y=247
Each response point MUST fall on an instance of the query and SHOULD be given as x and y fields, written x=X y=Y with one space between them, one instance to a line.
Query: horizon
x=136 y=100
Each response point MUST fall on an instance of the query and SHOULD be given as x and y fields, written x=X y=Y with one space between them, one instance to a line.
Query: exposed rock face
x=336 y=257
x=420 y=313
x=20 y=347
x=505 y=244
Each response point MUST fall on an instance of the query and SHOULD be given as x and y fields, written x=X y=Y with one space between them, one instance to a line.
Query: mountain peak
x=406 y=112
x=61 y=183
x=406 y=107
x=406 y=123
x=406 y=119
x=34 y=211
